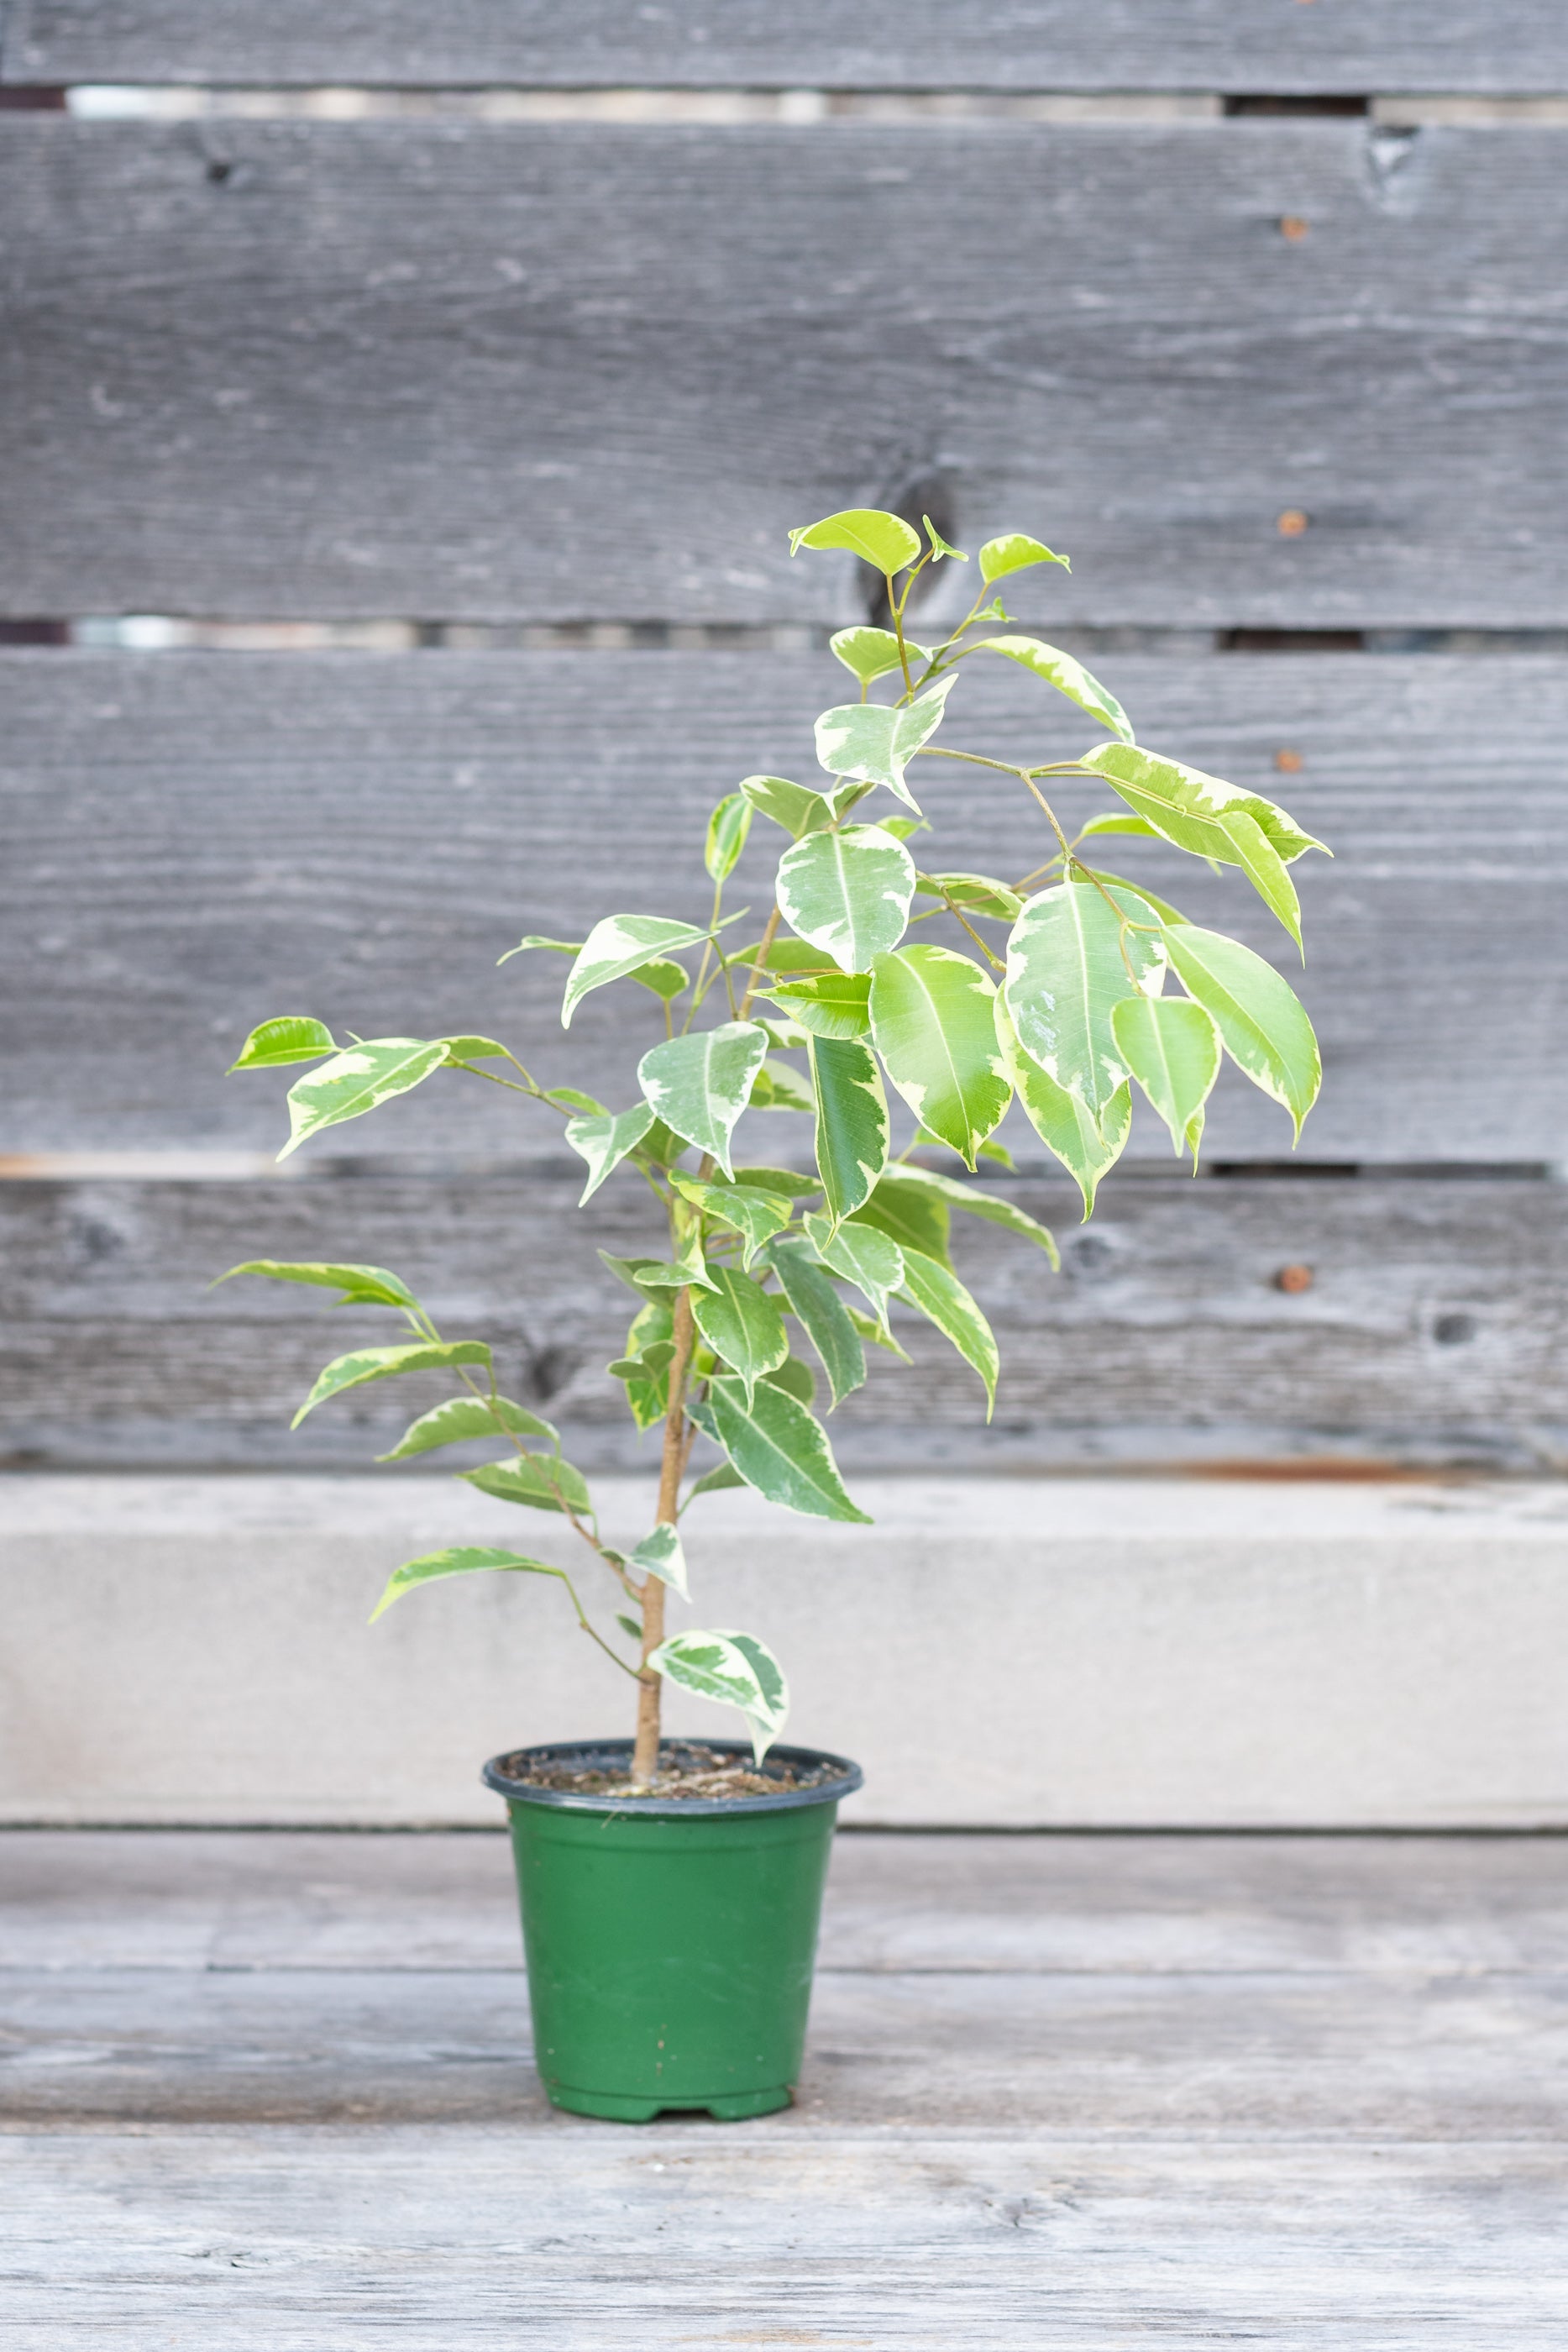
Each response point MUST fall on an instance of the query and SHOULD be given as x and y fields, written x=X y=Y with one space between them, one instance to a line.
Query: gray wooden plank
x=583 y=2238
x=998 y=45
x=456 y=369
x=196 y=841
x=1434 y=1329
x=1425 y=1906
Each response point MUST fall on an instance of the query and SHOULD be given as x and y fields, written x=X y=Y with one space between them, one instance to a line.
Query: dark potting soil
x=685 y=1769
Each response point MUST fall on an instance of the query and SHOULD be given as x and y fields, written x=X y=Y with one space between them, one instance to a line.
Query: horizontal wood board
x=1433 y=1330
x=487 y=371
x=1346 y=2137
x=196 y=842
x=1230 y=45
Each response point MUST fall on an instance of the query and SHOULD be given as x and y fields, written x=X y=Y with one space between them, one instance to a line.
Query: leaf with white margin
x=1266 y=870
x=873 y=1261
x=1066 y=969
x=535 y=940
x=777 y=1087
x=851 y=1132
x=799 y=808
x=735 y=1669
x=822 y=1315
x=1185 y=805
x=1015 y=551
x=362 y=1285
x=913 y=1216
x=749 y=1211
x=1260 y=1019
x=872 y=743
x=355 y=1081
x=461 y=1419
x=456 y=1559
x=870 y=654
x=781 y=1450
x=616 y=946
x=699 y=1085
x=942 y=1298
x=742 y=1326
x=1061 y=670
x=605 y=1142
x=293 y=1037
x=995 y=1210
x=1172 y=1047
x=883 y=541
x=726 y=829
x=1085 y=1146
x=539 y=1484
x=829 y=1003
x=931 y=1019
x=660 y=1555
x=847 y=893
x=362 y=1364
x=978 y=893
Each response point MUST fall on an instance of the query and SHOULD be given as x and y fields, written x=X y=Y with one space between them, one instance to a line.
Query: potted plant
x=670 y=1893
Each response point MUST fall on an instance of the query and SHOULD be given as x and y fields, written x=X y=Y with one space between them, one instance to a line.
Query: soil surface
x=685 y=1769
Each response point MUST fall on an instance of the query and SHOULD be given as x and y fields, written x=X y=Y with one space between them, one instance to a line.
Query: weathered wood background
x=478 y=375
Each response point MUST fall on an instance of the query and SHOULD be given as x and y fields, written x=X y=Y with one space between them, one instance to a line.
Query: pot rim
x=847 y=1779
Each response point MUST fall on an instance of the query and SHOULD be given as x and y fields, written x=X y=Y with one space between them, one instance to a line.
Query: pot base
x=725 y=2106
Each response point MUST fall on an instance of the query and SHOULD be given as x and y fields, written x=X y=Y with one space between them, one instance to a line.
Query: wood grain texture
x=1227 y=45
x=1433 y=1332
x=1361 y=2156
x=197 y=840
x=449 y=369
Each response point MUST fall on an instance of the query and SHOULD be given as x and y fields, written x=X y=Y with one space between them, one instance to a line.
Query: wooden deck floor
x=271 y=2090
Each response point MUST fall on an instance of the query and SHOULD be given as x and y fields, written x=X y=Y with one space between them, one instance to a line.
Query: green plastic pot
x=669 y=1944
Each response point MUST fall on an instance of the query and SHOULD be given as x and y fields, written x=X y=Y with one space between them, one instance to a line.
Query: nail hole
x=1453 y=1330
x=1294 y=228
x=1290 y=763
x=218 y=172
x=1293 y=1279
x=1292 y=523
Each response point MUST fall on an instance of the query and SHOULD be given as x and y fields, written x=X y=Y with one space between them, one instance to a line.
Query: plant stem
x=646 y=1753
x=760 y=963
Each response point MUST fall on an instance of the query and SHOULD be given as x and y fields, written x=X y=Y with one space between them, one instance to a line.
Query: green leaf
x=355 y=1081
x=293 y=1038
x=1166 y=913
x=457 y=1559
x=978 y=894
x=556 y=947
x=872 y=743
x=883 y=541
x=1064 y=1123
x=618 y=946
x=757 y=1215
x=869 y=1329
x=790 y=1180
x=1119 y=821
x=604 y=1142
x=656 y=1275
x=715 y=1482
x=627 y=1269
x=542 y=1482
x=912 y=1214
x=660 y=1555
x=726 y=829
x=742 y=1326
x=794 y=957
x=1015 y=551
x=829 y=1004
x=736 y=1670
x=799 y=808
x=796 y=1379
x=847 y=893
x=649 y=1352
x=813 y=1301
x=1172 y=1048
x=629 y=1626
x=992 y=1150
x=976 y=1203
x=873 y=1261
x=781 y=1450
x=464 y=1418
x=943 y=1300
x=939 y=547
x=1069 y=678
x=851 y=1132
x=1259 y=1016
x=1265 y=869
x=699 y=1085
x=575 y=1099
x=871 y=654
x=362 y=1364
x=362 y=1285
x=779 y=1088
x=1066 y=969
x=1186 y=806
x=931 y=1019
x=475 y=1049
x=665 y=978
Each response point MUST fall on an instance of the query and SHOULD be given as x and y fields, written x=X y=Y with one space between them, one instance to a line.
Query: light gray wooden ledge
x=1091 y=1651
x=271 y=2091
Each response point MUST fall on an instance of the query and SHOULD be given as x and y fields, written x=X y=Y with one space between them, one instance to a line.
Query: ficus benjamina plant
x=1076 y=986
